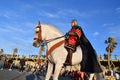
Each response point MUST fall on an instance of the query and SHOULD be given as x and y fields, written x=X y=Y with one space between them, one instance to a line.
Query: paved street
x=16 y=75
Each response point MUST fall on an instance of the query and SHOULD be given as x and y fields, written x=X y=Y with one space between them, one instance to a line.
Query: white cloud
x=9 y=14
x=12 y=32
x=17 y=29
x=64 y=13
x=29 y=24
x=15 y=36
x=26 y=40
x=108 y=24
x=48 y=14
x=51 y=15
x=95 y=33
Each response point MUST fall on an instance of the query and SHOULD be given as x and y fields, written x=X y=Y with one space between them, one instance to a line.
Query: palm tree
x=110 y=48
x=15 y=51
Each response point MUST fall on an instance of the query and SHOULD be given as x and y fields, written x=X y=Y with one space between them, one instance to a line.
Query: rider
x=76 y=37
x=71 y=40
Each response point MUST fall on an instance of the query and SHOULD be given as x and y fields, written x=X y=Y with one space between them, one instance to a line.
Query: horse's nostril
x=35 y=38
x=34 y=44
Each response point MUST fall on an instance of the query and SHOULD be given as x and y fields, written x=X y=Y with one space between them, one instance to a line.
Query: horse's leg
x=49 y=71
x=99 y=76
x=58 y=67
x=91 y=76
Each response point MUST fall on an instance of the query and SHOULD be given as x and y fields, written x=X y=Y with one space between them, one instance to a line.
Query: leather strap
x=54 y=47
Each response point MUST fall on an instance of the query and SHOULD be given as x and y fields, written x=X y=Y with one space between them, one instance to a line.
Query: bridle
x=40 y=35
x=45 y=42
x=39 y=32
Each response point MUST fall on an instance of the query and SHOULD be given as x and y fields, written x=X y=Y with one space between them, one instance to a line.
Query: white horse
x=56 y=52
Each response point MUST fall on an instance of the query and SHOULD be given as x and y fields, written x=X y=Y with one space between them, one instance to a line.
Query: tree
x=1 y=50
x=15 y=51
x=110 y=48
x=111 y=44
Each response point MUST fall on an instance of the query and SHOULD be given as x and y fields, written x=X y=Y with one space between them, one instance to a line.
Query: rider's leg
x=69 y=58
x=70 y=52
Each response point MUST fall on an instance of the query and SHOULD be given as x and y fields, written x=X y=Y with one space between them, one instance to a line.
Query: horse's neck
x=52 y=33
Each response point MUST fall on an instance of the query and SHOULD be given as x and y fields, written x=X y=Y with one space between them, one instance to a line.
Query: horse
x=56 y=53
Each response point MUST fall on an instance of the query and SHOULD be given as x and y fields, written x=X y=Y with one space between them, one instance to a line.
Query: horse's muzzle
x=36 y=44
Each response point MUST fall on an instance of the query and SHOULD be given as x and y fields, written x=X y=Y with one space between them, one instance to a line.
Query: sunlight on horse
x=58 y=54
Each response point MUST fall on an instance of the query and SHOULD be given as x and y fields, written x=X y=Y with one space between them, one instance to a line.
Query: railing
x=100 y=57
x=105 y=57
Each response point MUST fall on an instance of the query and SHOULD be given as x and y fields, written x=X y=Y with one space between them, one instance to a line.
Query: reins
x=50 y=40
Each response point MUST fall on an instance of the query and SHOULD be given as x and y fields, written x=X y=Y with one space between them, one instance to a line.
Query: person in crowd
x=117 y=76
x=2 y=61
x=22 y=64
x=11 y=64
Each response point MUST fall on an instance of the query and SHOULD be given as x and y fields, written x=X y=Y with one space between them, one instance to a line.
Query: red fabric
x=81 y=74
x=72 y=39
x=39 y=61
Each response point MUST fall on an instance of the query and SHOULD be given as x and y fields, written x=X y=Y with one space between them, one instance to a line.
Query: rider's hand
x=72 y=33
x=66 y=35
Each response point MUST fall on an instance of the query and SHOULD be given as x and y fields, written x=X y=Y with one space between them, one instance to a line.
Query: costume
x=71 y=38
x=90 y=62
x=70 y=43
x=76 y=37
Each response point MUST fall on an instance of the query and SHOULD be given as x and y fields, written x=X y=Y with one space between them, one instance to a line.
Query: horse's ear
x=38 y=25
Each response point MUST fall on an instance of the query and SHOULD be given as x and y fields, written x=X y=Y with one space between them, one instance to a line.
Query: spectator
x=22 y=64
x=117 y=76
x=6 y=64
x=11 y=64
x=2 y=61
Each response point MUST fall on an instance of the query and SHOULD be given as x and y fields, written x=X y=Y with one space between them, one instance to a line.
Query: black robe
x=89 y=63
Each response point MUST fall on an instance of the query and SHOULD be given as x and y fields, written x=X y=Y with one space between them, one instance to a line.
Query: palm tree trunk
x=109 y=59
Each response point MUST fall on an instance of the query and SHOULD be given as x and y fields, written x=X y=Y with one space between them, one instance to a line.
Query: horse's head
x=37 y=36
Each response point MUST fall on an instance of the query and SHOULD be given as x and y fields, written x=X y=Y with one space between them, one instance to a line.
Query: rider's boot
x=69 y=58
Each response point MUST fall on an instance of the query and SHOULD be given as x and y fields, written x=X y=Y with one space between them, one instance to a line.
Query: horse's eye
x=35 y=38
x=36 y=31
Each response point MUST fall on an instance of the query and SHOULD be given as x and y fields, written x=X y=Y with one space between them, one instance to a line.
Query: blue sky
x=99 y=19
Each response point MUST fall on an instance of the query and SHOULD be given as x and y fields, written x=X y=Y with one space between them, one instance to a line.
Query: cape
x=90 y=62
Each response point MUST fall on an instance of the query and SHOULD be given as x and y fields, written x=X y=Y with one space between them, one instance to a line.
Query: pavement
x=5 y=74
